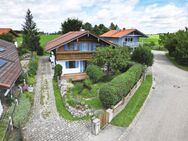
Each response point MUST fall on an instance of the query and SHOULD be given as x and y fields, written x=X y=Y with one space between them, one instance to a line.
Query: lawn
x=43 y=39
x=126 y=116
x=183 y=67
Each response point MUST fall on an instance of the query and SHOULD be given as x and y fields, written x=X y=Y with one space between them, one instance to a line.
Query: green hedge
x=120 y=86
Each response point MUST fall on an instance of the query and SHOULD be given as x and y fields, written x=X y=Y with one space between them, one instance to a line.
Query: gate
x=104 y=119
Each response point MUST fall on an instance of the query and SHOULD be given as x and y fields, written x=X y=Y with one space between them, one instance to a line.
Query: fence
x=10 y=126
x=109 y=114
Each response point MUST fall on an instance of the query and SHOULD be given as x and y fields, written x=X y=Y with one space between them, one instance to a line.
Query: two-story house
x=125 y=37
x=73 y=50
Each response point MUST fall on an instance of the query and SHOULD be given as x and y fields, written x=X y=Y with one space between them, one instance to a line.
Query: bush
x=94 y=72
x=108 y=96
x=33 y=66
x=40 y=51
x=120 y=85
x=57 y=71
x=87 y=83
x=143 y=55
x=78 y=87
x=85 y=93
x=22 y=51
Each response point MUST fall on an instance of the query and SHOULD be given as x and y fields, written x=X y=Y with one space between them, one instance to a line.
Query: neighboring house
x=8 y=30
x=73 y=50
x=10 y=69
x=125 y=37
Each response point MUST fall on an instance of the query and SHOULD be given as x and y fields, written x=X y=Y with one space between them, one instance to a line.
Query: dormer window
x=2 y=62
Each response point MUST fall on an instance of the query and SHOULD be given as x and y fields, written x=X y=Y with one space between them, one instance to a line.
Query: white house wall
x=68 y=71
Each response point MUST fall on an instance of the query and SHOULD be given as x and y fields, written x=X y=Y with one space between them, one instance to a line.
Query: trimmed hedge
x=120 y=86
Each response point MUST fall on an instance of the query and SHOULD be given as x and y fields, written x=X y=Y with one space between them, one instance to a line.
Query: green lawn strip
x=172 y=59
x=3 y=125
x=60 y=105
x=46 y=38
x=22 y=110
x=126 y=116
x=43 y=39
x=94 y=103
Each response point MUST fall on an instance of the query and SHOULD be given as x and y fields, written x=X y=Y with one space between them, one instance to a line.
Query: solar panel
x=2 y=62
x=2 y=49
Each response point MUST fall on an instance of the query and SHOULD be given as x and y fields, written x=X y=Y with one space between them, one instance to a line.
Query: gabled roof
x=68 y=37
x=121 y=33
x=11 y=68
x=7 y=30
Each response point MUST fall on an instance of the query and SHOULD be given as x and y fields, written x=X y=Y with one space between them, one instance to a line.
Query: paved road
x=45 y=123
x=165 y=116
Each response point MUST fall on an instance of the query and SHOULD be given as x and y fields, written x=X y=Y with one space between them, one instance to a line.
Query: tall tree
x=100 y=29
x=30 y=33
x=71 y=25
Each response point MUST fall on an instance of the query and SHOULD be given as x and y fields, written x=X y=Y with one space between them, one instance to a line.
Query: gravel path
x=165 y=115
x=45 y=123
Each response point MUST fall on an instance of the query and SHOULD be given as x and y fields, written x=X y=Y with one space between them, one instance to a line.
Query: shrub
x=143 y=55
x=120 y=85
x=22 y=50
x=33 y=66
x=87 y=83
x=40 y=51
x=108 y=96
x=78 y=87
x=57 y=71
x=94 y=72
x=85 y=93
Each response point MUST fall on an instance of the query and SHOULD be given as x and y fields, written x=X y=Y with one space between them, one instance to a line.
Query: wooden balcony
x=74 y=55
x=75 y=76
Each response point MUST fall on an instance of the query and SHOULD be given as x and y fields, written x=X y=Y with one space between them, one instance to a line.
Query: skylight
x=2 y=62
x=2 y=49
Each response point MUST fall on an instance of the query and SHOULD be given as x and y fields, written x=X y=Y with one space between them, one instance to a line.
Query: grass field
x=151 y=38
x=43 y=39
x=133 y=107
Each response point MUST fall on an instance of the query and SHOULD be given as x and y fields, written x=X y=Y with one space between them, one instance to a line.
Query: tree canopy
x=112 y=59
x=71 y=25
x=177 y=45
x=7 y=37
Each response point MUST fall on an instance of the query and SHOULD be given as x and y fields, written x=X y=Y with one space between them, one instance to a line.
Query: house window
x=125 y=39
x=2 y=62
x=72 y=64
x=2 y=49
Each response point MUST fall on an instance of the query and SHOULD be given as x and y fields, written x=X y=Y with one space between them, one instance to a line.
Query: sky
x=148 y=16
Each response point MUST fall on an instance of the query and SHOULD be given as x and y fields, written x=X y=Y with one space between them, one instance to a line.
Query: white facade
x=78 y=69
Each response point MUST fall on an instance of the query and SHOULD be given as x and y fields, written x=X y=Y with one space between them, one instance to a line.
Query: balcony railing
x=72 y=55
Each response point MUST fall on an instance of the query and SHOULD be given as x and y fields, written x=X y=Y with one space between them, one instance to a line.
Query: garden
x=112 y=73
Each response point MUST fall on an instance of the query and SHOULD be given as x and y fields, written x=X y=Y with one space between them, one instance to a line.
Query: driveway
x=165 y=115
x=45 y=123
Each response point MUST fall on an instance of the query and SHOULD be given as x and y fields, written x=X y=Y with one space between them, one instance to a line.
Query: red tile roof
x=119 y=33
x=7 y=30
x=12 y=69
x=68 y=37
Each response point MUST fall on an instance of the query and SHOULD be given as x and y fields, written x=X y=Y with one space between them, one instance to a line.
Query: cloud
x=49 y=14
